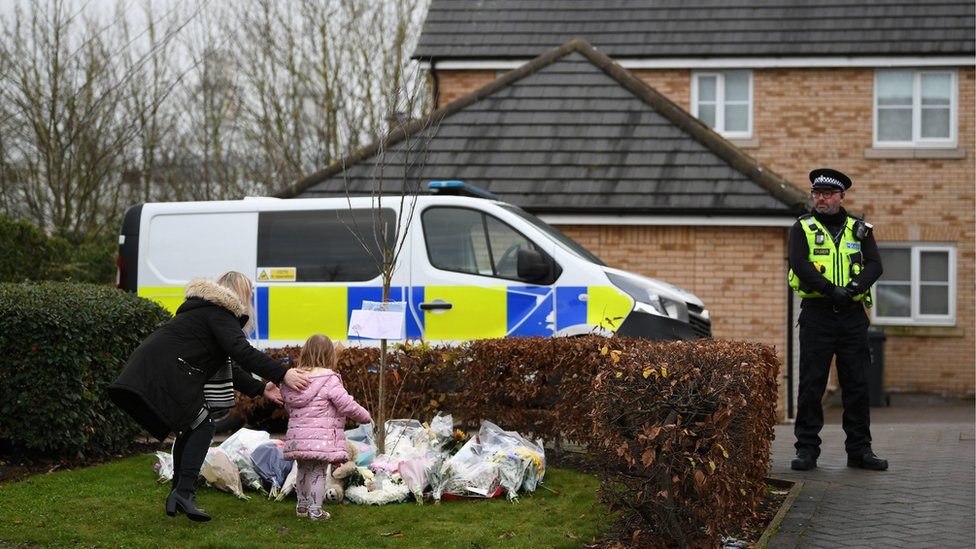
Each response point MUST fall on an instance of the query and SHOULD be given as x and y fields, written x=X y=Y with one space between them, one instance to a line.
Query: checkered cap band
x=827 y=180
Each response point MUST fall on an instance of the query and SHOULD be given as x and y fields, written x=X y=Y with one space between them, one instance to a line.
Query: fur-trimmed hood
x=216 y=294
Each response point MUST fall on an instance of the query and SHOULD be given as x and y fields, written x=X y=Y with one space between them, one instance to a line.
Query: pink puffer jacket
x=317 y=418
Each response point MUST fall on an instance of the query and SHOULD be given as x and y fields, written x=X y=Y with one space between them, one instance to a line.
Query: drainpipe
x=435 y=85
x=790 y=412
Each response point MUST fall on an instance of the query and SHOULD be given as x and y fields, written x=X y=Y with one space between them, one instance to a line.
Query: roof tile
x=539 y=139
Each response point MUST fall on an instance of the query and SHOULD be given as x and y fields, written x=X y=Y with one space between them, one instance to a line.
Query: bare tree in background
x=68 y=122
x=214 y=151
x=318 y=79
x=215 y=99
x=62 y=132
x=152 y=81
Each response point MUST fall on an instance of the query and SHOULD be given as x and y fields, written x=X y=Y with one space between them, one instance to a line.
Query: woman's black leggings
x=189 y=452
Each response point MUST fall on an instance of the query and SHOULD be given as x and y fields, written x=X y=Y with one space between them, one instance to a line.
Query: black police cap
x=827 y=177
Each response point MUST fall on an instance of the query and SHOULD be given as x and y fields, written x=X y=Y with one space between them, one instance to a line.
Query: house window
x=723 y=102
x=915 y=108
x=918 y=286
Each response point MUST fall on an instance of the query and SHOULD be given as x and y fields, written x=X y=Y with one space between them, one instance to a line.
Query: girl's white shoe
x=319 y=515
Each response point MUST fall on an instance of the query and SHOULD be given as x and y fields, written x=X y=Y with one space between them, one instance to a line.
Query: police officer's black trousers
x=825 y=332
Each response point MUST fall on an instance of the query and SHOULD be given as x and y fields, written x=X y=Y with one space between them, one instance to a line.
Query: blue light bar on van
x=459 y=188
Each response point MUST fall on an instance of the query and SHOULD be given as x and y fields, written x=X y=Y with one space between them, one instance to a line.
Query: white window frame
x=916 y=318
x=917 y=141
x=720 y=102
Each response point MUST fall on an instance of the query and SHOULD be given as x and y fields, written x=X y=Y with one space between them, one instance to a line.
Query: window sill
x=922 y=331
x=914 y=153
x=745 y=143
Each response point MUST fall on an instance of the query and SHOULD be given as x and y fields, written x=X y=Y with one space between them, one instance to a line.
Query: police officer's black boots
x=804 y=461
x=867 y=460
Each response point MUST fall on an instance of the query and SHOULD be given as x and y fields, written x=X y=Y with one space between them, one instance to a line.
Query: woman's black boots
x=176 y=503
x=189 y=452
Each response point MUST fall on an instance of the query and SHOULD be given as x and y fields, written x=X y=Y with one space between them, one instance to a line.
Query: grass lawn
x=119 y=504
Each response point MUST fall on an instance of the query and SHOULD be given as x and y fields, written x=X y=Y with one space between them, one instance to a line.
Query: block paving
x=926 y=498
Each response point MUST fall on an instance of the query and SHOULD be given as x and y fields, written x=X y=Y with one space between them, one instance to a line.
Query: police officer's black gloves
x=839 y=296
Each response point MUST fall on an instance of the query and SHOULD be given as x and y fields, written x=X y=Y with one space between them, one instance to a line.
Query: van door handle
x=436 y=305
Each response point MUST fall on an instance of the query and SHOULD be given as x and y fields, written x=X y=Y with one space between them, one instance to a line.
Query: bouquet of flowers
x=455 y=442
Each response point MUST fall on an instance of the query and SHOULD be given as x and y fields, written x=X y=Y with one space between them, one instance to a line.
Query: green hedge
x=27 y=253
x=62 y=344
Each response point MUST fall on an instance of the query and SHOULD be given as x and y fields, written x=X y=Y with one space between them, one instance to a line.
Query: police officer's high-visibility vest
x=838 y=262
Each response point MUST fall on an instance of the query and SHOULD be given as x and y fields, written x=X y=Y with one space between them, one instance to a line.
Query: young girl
x=316 y=423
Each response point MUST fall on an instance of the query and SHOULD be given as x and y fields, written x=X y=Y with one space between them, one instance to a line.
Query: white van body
x=469 y=268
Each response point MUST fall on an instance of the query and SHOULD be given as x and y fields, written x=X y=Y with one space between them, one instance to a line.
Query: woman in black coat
x=161 y=386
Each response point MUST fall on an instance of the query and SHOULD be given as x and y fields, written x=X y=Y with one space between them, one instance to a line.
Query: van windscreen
x=326 y=245
x=557 y=235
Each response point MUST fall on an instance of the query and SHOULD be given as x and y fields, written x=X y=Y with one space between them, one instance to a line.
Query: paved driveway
x=926 y=499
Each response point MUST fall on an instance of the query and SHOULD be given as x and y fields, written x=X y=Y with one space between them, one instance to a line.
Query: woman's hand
x=295 y=379
x=273 y=393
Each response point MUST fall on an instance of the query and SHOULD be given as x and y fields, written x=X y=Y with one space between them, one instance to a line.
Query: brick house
x=604 y=142
x=882 y=90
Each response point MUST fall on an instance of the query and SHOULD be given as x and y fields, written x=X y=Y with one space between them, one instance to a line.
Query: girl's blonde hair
x=318 y=352
x=242 y=287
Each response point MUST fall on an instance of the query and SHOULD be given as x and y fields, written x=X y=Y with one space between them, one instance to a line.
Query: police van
x=470 y=267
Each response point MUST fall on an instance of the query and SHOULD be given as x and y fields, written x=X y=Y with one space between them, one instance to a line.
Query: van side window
x=470 y=241
x=322 y=244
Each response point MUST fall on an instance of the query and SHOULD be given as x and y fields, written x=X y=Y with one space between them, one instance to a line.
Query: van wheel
x=227 y=420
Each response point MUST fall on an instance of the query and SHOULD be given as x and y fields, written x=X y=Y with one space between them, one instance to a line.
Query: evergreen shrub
x=27 y=253
x=61 y=345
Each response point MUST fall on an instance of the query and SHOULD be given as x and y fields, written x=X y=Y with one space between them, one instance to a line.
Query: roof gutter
x=693 y=63
x=698 y=220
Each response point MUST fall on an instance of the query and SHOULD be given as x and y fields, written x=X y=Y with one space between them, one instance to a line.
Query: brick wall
x=807 y=118
x=823 y=117
x=454 y=84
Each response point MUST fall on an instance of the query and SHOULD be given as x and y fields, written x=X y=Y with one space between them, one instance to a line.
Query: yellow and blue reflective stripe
x=169 y=297
x=607 y=307
x=478 y=312
x=292 y=312
x=317 y=310
x=529 y=311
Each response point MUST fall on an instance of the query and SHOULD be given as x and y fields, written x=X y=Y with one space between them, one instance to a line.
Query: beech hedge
x=679 y=432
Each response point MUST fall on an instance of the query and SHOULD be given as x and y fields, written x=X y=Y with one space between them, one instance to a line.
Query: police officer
x=834 y=260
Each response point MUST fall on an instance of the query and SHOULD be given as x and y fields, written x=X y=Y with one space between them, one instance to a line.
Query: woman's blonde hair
x=318 y=352
x=242 y=287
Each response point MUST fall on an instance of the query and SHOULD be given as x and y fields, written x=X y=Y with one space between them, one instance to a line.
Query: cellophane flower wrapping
x=406 y=439
x=521 y=463
x=471 y=474
x=414 y=475
x=164 y=467
x=221 y=473
x=438 y=474
x=365 y=439
x=238 y=448
x=442 y=426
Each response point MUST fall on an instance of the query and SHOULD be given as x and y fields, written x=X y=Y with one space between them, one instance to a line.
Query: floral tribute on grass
x=423 y=463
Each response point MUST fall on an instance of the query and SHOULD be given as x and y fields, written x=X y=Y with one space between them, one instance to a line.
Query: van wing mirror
x=534 y=267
